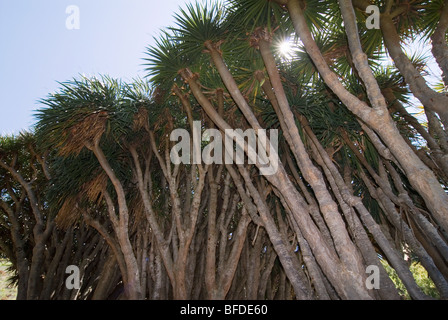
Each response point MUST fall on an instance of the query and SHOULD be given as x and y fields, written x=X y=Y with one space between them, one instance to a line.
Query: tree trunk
x=421 y=178
x=330 y=263
x=439 y=46
x=432 y=100
x=121 y=227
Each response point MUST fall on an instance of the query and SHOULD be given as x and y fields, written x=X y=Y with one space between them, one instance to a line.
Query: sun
x=285 y=49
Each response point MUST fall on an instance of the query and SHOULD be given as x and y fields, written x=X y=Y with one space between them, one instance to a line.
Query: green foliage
x=164 y=62
x=251 y=14
x=199 y=24
x=421 y=278
x=84 y=109
x=7 y=290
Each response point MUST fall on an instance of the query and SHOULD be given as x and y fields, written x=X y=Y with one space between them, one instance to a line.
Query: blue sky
x=37 y=49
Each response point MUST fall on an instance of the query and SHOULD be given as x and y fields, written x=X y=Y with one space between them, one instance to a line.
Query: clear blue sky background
x=37 y=50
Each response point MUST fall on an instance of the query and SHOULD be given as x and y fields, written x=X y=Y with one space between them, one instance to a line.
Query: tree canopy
x=358 y=197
